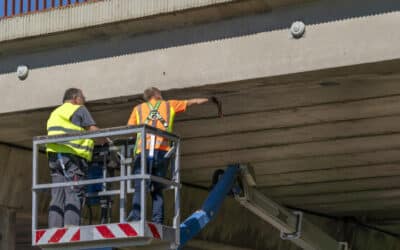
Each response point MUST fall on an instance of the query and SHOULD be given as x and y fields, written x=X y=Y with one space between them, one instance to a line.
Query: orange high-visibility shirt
x=167 y=110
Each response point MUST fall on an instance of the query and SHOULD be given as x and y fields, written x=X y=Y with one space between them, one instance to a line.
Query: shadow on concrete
x=312 y=13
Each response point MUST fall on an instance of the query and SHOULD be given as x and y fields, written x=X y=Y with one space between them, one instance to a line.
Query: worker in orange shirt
x=158 y=113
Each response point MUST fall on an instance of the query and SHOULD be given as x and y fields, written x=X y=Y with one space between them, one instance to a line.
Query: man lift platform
x=237 y=181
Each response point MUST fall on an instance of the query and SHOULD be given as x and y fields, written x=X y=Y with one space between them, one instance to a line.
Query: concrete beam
x=91 y=14
x=383 y=194
x=328 y=147
x=336 y=174
x=110 y=18
x=304 y=105
x=248 y=48
x=207 y=245
x=321 y=162
x=305 y=102
x=353 y=208
x=293 y=135
x=344 y=186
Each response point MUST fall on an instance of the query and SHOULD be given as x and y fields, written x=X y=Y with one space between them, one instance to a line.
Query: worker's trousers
x=66 y=202
x=158 y=167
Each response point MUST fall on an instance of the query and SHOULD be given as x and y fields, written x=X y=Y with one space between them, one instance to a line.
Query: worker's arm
x=190 y=102
x=101 y=140
x=180 y=106
x=83 y=118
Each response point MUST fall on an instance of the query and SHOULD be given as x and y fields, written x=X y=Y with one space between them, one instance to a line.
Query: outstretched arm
x=190 y=102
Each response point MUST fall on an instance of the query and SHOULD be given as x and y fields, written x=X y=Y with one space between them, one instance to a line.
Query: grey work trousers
x=66 y=202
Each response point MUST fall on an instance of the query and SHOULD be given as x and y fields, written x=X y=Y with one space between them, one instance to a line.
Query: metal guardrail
x=12 y=8
x=125 y=177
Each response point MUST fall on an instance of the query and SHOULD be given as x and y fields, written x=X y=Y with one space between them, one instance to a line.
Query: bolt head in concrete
x=22 y=72
x=297 y=29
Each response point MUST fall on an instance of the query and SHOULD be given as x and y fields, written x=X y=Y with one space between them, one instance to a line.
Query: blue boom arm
x=199 y=219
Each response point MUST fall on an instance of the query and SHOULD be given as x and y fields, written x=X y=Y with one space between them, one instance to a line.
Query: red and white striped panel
x=124 y=230
x=58 y=235
x=154 y=230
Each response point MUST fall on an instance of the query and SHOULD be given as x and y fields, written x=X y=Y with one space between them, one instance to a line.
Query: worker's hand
x=218 y=103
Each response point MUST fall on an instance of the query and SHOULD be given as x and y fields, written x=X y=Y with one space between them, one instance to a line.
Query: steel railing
x=12 y=8
x=125 y=177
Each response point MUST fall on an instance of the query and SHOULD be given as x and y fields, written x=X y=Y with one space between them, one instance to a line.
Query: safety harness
x=154 y=115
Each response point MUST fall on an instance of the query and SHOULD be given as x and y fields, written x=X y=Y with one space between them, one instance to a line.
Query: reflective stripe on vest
x=60 y=123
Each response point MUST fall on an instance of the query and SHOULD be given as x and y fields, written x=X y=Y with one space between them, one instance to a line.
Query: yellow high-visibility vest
x=59 y=123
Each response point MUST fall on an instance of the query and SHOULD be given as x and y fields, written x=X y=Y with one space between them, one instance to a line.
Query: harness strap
x=154 y=115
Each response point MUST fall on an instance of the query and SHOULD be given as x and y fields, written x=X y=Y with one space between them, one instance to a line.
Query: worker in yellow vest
x=68 y=160
x=158 y=113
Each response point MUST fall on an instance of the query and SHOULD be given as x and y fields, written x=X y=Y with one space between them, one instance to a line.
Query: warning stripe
x=99 y=232
x=105 y=232
x=70 y=234
x=76 y=236
x=154 y=231
x=128 y=230
x=39 y=234
x=47 y=236
x=58 y=235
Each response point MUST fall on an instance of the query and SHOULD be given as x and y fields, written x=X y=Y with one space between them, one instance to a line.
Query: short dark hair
x=71 y=93
x=150 y=92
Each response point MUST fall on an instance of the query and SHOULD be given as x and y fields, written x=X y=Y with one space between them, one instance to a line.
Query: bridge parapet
x=86 y=14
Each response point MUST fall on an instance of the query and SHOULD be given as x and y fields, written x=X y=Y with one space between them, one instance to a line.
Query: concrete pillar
x=7 y=228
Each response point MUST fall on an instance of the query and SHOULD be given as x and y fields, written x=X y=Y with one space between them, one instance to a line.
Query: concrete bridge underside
x=316 y=117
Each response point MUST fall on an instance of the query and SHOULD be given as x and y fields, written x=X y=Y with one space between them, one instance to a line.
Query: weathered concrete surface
x=92 y=14
x=7 y=228
x=81 y=24
x=308 y=142
x=213 y=53
x=15 y=196
x=234 y=227
x=316 y=117
x=16 y=171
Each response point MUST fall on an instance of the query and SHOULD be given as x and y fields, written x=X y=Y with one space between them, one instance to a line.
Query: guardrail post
x=5 y=8
x=13 y=7
x=143 y=163
x=176 y=178
x=122 y=194
x=34 y=183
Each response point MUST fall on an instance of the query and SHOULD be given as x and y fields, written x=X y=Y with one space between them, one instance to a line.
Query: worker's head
x=152 y=93
x=74 y=96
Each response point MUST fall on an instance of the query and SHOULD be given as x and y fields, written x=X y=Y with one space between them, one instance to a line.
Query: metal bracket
x=343 y=246
x=170 y=152
x=127 y=161
x=297 y=234
x=114 y=148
